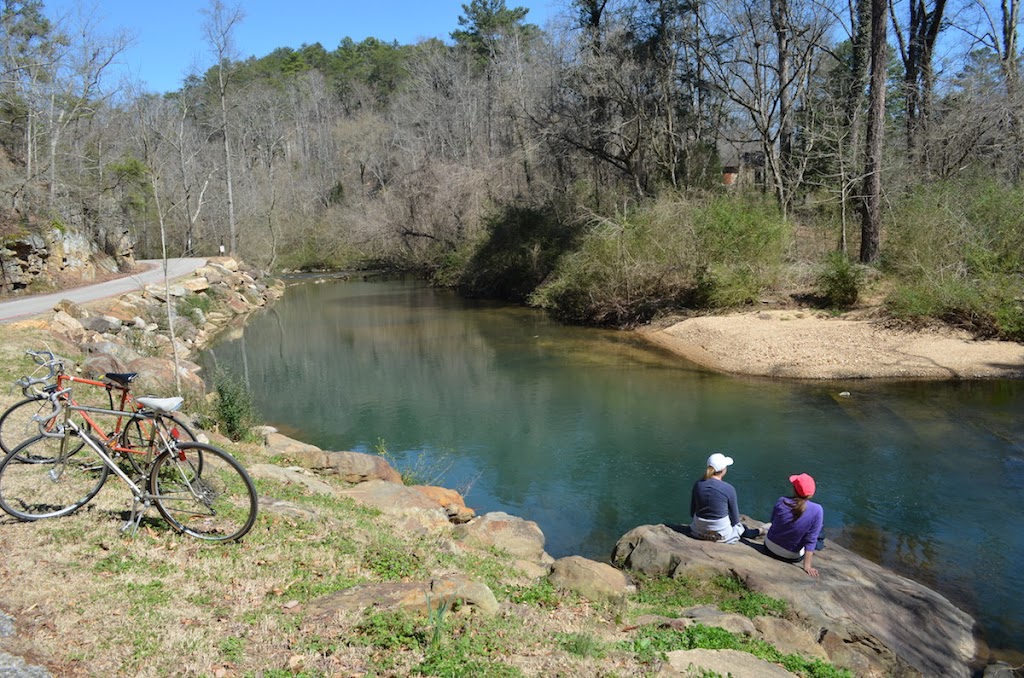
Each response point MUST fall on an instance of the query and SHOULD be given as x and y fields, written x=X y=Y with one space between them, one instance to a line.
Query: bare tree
x=219 y=30
x=871 y=221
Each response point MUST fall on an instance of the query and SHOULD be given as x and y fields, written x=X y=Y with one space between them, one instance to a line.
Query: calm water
x=591 y=433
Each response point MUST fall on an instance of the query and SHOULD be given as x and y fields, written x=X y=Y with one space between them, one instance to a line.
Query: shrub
x=234 y=408
x=840 y=280
x=715 y=252
x=519 y=251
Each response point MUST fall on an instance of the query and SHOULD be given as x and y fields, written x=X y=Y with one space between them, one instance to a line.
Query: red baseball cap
x=803 y=485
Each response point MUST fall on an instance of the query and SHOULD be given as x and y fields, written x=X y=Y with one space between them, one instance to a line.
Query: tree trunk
x=871 y=222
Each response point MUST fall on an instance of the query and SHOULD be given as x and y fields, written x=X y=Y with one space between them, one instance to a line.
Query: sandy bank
x=812 y=345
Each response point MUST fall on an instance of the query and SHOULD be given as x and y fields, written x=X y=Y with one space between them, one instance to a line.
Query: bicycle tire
x=135 y=437
x=54 y=483
x=17 y=424
x=203 y=491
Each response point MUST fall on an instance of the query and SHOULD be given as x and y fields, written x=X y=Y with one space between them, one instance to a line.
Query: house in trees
x=742 y=163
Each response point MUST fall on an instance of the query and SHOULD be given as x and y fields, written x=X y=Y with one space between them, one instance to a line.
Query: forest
x=628 y=159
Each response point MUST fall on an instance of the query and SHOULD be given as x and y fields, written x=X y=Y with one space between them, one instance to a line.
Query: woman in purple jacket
x=796 y=524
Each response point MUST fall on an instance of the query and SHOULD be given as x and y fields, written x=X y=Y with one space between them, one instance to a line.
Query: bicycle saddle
x=121 y=378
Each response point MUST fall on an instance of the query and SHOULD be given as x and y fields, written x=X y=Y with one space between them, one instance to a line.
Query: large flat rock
x=871 y=620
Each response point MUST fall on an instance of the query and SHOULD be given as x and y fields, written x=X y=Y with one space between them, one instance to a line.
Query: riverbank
x=805 y=344
x=249 y=607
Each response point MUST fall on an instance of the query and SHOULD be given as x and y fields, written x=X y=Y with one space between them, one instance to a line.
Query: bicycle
x=18 y=423
x=199 y=489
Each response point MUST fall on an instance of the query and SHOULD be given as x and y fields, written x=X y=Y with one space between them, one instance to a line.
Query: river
x=592 y=432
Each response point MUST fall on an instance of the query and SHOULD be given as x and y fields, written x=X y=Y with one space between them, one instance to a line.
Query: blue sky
x=168 y=37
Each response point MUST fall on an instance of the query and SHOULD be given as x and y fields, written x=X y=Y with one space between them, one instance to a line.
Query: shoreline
x=807 y=344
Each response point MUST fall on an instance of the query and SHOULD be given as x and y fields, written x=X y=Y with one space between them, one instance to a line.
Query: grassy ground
x=89 y=600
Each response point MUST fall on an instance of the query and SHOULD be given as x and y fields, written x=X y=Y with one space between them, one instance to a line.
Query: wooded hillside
x=878 y=130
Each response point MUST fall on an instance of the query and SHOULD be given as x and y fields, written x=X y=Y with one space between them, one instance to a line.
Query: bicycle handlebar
x=44 y=359
x=58 y=430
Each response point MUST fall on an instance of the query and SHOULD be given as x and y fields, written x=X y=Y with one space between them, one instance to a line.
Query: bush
x=840 y=280
x=235 y=411
x=521 y=248
x=956 y=250
x=718 y=252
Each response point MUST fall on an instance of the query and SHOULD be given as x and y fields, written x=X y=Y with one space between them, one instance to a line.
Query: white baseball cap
x=719 y=461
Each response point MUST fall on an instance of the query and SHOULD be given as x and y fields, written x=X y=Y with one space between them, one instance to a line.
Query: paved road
x=25 y=307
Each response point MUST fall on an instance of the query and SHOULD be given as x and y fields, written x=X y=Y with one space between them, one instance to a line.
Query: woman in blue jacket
x=796 y=524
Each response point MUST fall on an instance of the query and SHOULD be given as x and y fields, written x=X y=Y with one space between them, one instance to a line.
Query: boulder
x=594 y=581
x=123 y=354
x=389 y=497
x=880 y=623
x=156 y=376
x=97 y=365
x=277 y=444
x=450 y=500
x=721 y=663
x=353 y=467
x=71 y=308
x=709 y=615
x=421 y=596
x=520 y=538
x=66 y=326
x=103 y=324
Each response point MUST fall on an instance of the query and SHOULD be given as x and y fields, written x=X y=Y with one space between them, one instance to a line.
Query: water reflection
x=591 y=432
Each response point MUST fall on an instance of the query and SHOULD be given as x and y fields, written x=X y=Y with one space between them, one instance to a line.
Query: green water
x=591 y=433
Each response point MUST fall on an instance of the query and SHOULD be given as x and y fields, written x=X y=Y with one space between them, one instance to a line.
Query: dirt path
x=811 y=345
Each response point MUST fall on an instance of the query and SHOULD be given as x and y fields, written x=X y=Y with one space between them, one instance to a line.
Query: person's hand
x=811 y=570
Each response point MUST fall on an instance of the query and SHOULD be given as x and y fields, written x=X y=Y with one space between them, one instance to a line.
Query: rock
x=530 y=569
x=390 y=497
x=592 y=580
x=67 y=326
x=411 y=596
x=450 y=500
x=789 y=638
x=712 y=616
x=353 y=467
x=291 y=476
x=123 y=354
x=874 y=619
x=156 y=376
x=287 y=509
x=277 y=444
x=196 y=284
x=95 y=366
x=71 y=308
x=724 y=663
x=104 y=324
x=520 y=538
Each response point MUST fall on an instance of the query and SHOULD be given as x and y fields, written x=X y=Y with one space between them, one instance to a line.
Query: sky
x=167 y=34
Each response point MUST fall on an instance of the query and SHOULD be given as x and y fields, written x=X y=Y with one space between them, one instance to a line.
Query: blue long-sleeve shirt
x=713 y=498
x=792 y=533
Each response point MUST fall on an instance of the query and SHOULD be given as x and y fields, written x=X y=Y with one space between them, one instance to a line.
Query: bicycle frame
x=127 y=409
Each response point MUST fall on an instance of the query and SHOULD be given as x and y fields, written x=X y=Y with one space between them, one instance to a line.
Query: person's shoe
x=763 y=530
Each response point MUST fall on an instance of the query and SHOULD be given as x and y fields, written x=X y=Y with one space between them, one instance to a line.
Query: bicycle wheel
x=204 y=492
x=17 y=424
x=55 y=482
x=140 y=436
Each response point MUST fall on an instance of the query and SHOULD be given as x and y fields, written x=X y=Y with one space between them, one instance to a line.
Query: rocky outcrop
x=869 y=620
x=720 y=663
x=43 y=258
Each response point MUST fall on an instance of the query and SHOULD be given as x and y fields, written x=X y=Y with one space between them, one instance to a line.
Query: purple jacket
x=795 y=534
